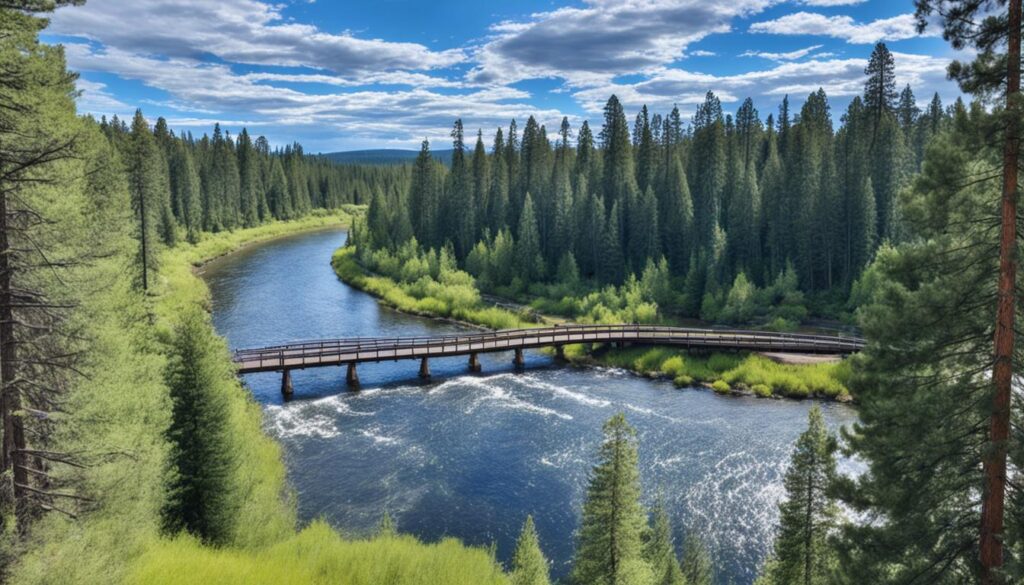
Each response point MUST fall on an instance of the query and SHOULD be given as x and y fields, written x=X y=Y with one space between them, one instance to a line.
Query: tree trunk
x=14 y=473
x=994 y=466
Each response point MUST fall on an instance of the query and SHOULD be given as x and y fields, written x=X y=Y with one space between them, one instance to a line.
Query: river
x=470 y=455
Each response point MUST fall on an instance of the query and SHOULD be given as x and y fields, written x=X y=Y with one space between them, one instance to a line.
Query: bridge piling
x=560 y=352
x=286 y=384
x=474 y=363
x=351 y=376
x=424 y=368
x=518 y=361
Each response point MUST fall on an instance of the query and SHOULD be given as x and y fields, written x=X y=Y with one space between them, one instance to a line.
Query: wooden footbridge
x=352 y=351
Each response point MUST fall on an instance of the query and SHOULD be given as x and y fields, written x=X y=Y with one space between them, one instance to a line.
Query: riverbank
x=743 y=374
x=122 y=413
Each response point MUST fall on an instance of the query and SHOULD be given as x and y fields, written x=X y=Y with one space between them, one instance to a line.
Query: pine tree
x=707 y=171
x=186 y=190
x=248 y=181
x=803 y=554
x=423 y=197
x=645 y=243
x=529 y=567
x=458 y=202
x=661 y=550
x=774 y=213
x=145 y=186
x=676 y=217
x=880 y=88
x=925 y=385
x=610 y=547
x=529 y=260
x=199 y=498
x=907 y=111
x=497 y=201
x=481 y=184
x=696 y=562
x=39 y=142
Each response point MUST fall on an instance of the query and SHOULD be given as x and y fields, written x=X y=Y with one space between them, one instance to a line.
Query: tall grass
x=318 y=555
x=744 y=371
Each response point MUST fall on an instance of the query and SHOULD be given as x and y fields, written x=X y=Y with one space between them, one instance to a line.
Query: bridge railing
x=365 y=349
x=540 y=332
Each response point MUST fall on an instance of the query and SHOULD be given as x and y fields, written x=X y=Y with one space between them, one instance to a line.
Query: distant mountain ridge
x=384 y=156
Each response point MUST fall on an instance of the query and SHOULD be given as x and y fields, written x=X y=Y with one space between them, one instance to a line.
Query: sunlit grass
x=761 y=375
x=319 y=555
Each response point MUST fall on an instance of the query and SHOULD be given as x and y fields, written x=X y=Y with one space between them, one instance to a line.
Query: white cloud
x=602 y=39
x=832 y=2
x=790 y=56
x=702 y=53
x=840 y=78
x=93 y=97
x=843 y=27
x=396 y=117
x=239 y=31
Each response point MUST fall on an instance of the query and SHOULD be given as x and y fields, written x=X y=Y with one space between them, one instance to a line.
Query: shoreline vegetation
x=120 y=540
x=441 y=291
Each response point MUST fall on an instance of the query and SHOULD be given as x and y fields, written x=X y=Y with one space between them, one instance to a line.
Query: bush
x=674 y=366
x=683 y=381
x=781 y=325
x=762 y=390
x=721 y=386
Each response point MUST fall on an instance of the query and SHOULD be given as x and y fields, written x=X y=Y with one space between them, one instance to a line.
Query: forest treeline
x=182 y=185
x=724 y=200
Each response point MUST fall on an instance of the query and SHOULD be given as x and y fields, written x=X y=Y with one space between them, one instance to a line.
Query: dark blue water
x=471 y=455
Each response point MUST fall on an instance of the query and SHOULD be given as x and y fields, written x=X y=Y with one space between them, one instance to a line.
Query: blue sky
x=342 y=75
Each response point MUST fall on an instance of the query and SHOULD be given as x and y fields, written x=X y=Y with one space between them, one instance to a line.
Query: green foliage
x=796 y=209
x=661 y=550
x=808 y=516
x=925 y=377
x=696 y=561
x=750 y=371
x=118 y=415
x=721 y=386
x=199 y=377
x=529 y=567
x=319 y=555
x=610 y=548
x=452 y=294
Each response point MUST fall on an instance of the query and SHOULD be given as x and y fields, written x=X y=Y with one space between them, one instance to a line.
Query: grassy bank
x=317 y=555
x=453 y=294
x=118 y=417
x=726 y=373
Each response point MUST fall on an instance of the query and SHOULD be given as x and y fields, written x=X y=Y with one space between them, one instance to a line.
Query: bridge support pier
x=518 y=361
x=286 y=384
x=351 y=376
x=474 y=363
x=559 y=352
x=424 y=368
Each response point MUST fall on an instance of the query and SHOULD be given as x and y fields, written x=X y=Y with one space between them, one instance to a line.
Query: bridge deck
x=334 y=352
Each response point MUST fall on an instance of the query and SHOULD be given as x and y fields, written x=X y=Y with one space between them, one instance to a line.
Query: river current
x=470 y=455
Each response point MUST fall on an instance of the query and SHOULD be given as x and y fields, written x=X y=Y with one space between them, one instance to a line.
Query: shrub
x=721 y=386
x=781 y=324
x=762 y=390
x=683 y=381
x=674 y=366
